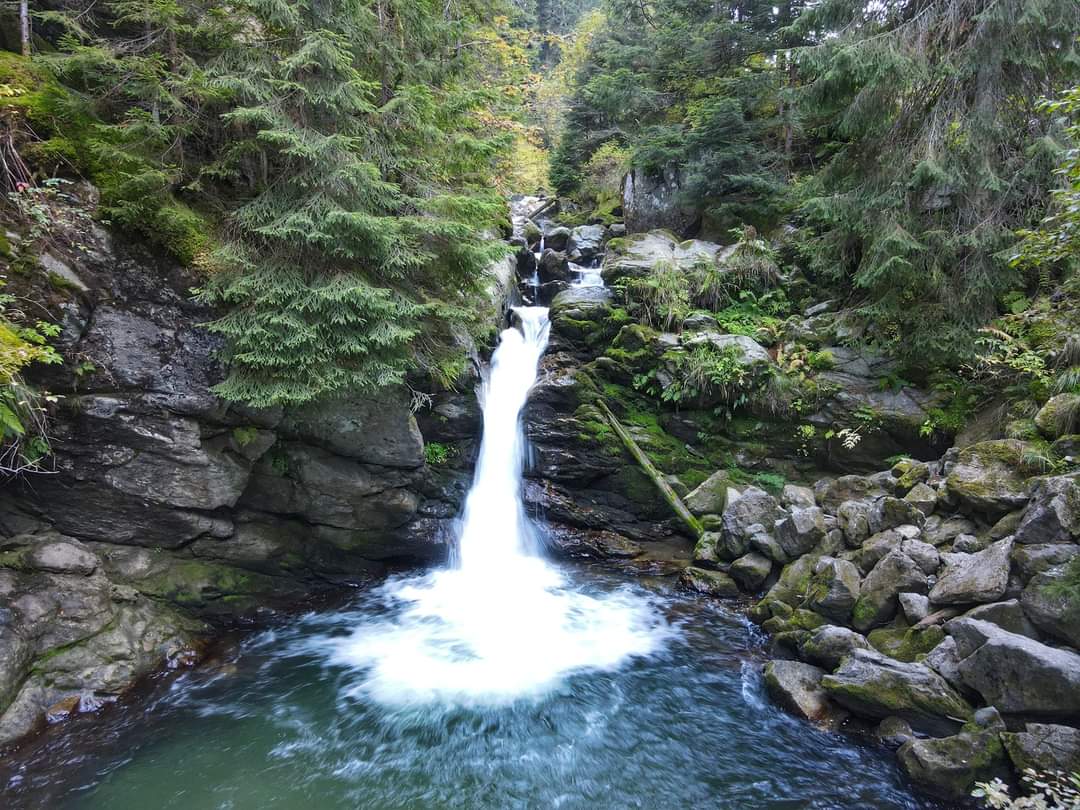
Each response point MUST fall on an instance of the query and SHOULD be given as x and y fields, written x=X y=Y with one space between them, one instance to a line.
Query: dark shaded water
x=283 y=726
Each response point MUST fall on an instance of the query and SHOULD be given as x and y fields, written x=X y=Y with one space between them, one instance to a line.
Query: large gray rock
x=987 y=479
x=1044 y=748
x=797 y=687
x=1007 y=615
x=828 y=645
x=1015 y=673
x=745 y=350
x=801 y=530
x=854 y=520
x=638 y=254
x=896 y=573
x=1031 y=560
x=710 y=583
x=890 y=513
x=753 y=507
x=939 y=531
x=586 y=242
x=834 y=589
x=980 y=577
x=1059 y=416
x=949 y=767
x=750 y=571
x=1053 y=606
x=831 y=493
x=655 y=200
x=710 y=496
x=874 y=685
x=922 y=498
x=1053 y=516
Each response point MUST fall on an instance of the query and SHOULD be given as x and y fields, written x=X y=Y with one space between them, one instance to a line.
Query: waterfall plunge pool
x=284 y=720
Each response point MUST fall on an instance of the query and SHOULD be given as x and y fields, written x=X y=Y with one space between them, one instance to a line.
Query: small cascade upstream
x=500 y=622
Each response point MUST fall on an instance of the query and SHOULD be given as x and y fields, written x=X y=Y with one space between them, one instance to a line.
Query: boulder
x=939 y=531
x=1060 y=416
x=586 y=242
x=801 y=530
x=854 y=521
x=944 y=659
x=874 y=550
x=57 y=554
x=967 y=544
x=1052 y=601
x=1053 y=515
x=556 y=238
x=981 y=577
x=1044 y=748
x=950 y=766
x=889 y=513
x=986 y=478
x=831 y=493
x=553 y=266
x=750 y=571
x=700 y=322
x=754 y=507
x=794 y=495
x=637 y=254
x=1015 y=673
x=834 y=589
x=924 y=554
x=922 y=498
x=1031 y=560
x=909 y=473
x=797 y=687
x=710 y=583
x=894 y=574
x=654 y=199
x=828 y=645
x=710 y=496
x=745 y=350
x=1007 y=615
x=874 y=685
x=915 y=606
x=906 y=643
x=894 y=732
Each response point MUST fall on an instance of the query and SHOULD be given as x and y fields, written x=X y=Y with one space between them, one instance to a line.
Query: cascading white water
x=500 y=622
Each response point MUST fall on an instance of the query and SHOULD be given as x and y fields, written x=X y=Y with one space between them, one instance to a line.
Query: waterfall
x=500 y=622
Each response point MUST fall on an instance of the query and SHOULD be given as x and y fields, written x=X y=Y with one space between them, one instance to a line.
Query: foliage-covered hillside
x=907 y=141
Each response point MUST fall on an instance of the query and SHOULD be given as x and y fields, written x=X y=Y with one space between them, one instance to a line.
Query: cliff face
x=169 y=508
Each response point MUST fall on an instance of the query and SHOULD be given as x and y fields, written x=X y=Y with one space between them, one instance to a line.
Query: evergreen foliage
x=331 y=165
x=934 y=153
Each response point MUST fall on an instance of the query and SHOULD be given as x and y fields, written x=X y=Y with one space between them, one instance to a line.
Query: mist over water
x=501 y=622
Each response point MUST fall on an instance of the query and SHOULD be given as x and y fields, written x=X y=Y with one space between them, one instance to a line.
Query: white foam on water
x=500 y=623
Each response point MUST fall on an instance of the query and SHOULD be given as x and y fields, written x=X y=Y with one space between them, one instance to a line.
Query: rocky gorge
x=912 y=603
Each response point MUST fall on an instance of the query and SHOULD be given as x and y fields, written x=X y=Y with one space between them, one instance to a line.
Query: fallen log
x=670 y=495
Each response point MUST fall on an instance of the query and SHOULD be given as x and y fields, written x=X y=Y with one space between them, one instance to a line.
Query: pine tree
x=359 y=249
x=935 y=152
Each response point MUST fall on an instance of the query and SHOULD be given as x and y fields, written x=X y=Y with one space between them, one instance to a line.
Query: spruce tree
x=934 y=151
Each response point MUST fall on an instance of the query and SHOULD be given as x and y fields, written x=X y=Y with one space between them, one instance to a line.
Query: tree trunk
x=24 y=26
x=672 y=498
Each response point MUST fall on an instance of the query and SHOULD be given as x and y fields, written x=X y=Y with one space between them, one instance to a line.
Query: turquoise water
x=280 y=722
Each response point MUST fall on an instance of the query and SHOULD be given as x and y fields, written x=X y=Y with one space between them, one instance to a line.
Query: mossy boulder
x=987 y=478
x=872 y=684
x=1052 y=601
x=906 y=643
x=710 y=497
x=949 y=767
x=710 y=583
x=797 y=687
x=1059 y=416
